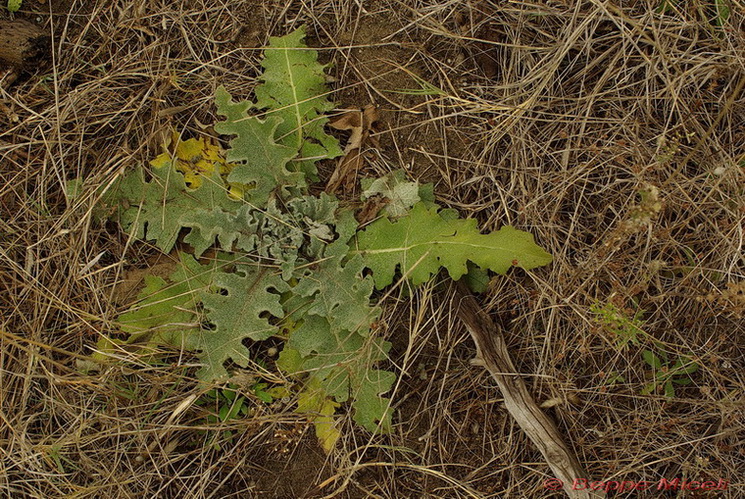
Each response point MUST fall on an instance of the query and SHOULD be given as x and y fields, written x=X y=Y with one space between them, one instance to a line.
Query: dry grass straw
x=586 y=104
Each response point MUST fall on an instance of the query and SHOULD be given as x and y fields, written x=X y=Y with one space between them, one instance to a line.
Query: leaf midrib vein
x=296 y=100
x=430 y=243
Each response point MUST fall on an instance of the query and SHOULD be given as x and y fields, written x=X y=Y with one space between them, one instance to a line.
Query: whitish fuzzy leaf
x=346 y=227
x=312 y=335
x=343 y=369
x=153 y=209
x=273 y=234
x=263 y=234
x=238 y=305
x=370 y=409
x=402 y=195
x=341 y=294
x=424 y=241
x=294 y=89
x=240 y=311
x=316 y=216
x=340 y=356
x=261 y=161
x=225 y=226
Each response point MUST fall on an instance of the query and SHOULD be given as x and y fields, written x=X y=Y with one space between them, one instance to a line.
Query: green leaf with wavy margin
x=240 y=310
x=154 y=209
x=342 y=369
x=340 y=293
x=167 y=311
x=262 y=162
x=424 y=241
x=294 y=89
x=209 y=309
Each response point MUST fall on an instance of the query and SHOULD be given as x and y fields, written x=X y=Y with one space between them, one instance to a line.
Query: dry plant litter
x=613 y=131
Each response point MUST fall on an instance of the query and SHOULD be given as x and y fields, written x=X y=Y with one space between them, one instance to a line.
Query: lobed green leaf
x=262 y=162
x=154 y=210
x=423 y=241
x=294 y=89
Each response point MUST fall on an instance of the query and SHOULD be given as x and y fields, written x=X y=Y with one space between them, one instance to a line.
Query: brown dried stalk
x=493 y=355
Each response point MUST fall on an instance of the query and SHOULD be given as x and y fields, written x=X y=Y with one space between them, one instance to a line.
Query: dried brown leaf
x=360 y=123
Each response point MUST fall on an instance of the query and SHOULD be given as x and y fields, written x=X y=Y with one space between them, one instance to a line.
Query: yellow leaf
x=163 y=159
x=196 y=158
x=236 y=191
x=278 y=392
x=320 y=410
x=14 y=5
x=193 y=179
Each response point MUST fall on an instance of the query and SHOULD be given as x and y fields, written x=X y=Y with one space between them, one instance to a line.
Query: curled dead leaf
x=360 y=123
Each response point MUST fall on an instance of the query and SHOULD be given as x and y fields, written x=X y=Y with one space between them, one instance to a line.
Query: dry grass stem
x=614 y=131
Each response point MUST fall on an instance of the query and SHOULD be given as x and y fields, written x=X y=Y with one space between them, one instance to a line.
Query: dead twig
x=493 y=355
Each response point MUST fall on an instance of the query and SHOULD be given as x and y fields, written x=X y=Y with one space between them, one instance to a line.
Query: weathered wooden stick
x=22 y=44
x=492 y=351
